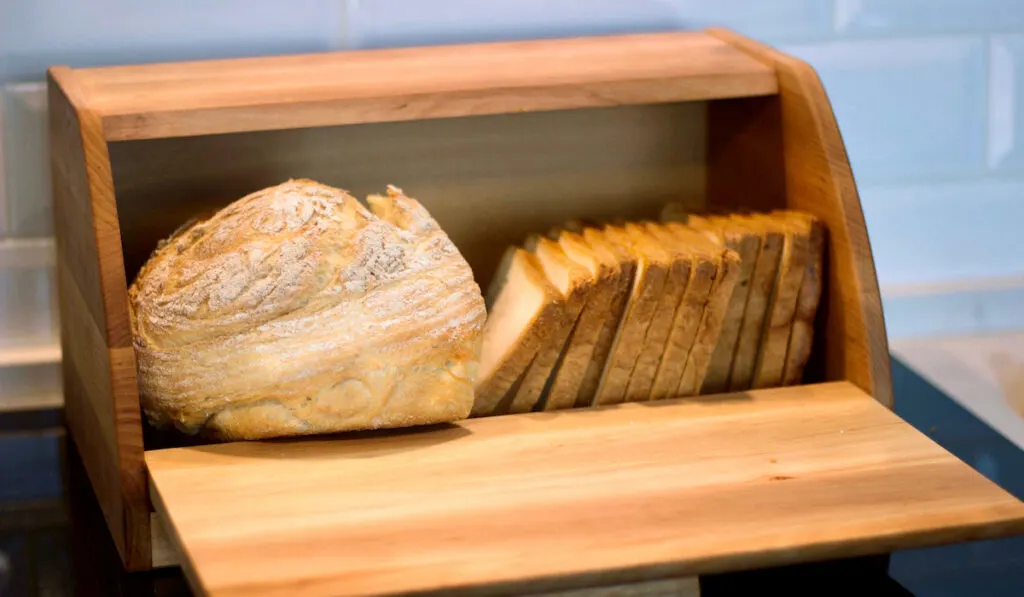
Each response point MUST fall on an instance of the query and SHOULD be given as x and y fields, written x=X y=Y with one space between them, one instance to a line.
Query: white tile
x=908 y=110
x=1006 y=104
x=945 y=232
x=914 y=17
x=379 y=23
x=26 y=152
x=35 y=34
x=28 y=312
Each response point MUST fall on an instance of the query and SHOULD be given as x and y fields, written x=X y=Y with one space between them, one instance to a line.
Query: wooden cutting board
x=549 y=501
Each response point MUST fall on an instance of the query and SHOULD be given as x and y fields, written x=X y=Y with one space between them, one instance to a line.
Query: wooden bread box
x=498 y=141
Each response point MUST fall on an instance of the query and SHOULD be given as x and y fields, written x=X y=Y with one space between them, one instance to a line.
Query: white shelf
x=27 y=253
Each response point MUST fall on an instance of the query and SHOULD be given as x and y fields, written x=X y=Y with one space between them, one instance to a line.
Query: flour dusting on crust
x=297 y=310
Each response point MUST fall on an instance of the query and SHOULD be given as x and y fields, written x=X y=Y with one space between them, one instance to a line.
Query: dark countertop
x=53 y=541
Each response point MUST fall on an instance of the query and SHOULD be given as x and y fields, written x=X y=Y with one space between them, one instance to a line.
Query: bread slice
x=762 y=283
x=746 y=241
x=621 y=260
x=704 y=257
x=711 y=323
x=652 y=266
x=569 y=375
x=802 y=335
x=526 y=307
x=641 y=380
x=573 y=282
x=771 y=359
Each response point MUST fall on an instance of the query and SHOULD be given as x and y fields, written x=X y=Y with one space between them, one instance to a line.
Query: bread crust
x=295 y=310
x=568 y=379
x=641 y=380
x=619 y=258
x=746 y=243
x=571 y=301
x=754 y=314
x=703 y=270
x=653 y=264
x=504 y=363
x=782 y=307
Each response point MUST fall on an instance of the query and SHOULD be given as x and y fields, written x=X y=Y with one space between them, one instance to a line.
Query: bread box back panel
x=498 y=142
x=488 y=180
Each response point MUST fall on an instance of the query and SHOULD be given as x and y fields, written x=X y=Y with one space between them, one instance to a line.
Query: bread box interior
x=497 y=142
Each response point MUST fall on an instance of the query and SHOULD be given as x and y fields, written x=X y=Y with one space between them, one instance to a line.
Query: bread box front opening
x=490 y=181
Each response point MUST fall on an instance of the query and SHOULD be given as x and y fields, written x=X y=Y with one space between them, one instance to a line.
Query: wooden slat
x=544 y=502
x=220 y=96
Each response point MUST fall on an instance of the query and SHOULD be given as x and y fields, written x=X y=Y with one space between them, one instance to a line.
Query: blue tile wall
x=35 y=34
x=771 y=22
x=377 y=23
x=944 y=232
x=909 y=109
x=381 y=23
x=905 y=18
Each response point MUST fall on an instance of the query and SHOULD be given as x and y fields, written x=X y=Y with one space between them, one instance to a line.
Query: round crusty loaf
x=295 y=310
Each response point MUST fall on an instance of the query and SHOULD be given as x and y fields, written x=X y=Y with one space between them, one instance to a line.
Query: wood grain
x=786 y=151
x=527 y=171
x=763 y=478
x=101 y=395
x=223 y=96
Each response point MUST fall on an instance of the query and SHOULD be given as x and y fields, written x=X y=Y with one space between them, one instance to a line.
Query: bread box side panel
x=101 y=398
x=488 y=180
x=786 y=151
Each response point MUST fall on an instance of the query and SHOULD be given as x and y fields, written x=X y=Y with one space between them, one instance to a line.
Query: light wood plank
x=221 y=96
x=537 y=502
x=101 y=394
